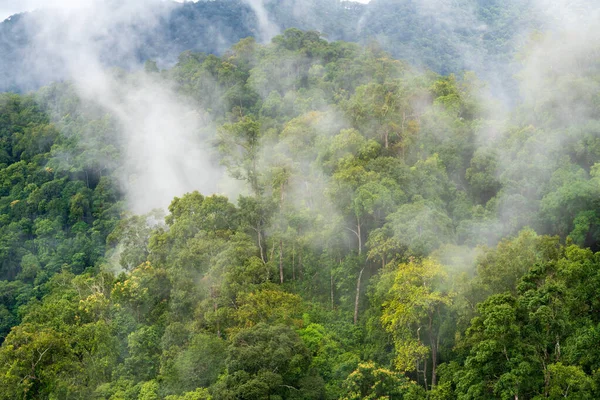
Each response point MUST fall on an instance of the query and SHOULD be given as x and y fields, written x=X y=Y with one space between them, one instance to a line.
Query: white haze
x=570 y=36
x=11 y=7
x=268 y=28
x=164 y=155
x=549 y=64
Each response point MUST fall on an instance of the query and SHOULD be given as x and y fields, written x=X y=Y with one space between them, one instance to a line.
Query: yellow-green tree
x=412 y=314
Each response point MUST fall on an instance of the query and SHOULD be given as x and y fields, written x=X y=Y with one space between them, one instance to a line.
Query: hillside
x=445 y=37
x=384 y=232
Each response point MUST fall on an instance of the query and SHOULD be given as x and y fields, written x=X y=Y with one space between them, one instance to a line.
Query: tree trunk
x=425 y=374
x=331 y=287
x=356 y=300
x=359 y=236
x=272 y=252
x=433 y=368
x=294 y=262
x=281 y=200
x=281 y=260
x=253 y=178
x=434 y=347
x=260 y=246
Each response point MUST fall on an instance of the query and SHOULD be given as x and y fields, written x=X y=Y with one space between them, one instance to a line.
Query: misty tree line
x=395 y=239
x=443 y=36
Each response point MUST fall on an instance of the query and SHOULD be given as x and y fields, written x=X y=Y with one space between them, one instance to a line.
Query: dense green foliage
x=379 y=249
x=57 y=207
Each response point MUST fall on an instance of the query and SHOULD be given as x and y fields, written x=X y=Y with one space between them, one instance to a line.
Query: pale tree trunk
x=294 y=262
x=359 y=236
x=434 y=346
x=252 y=177
x=281 y=200
x=424 y=370
x=425 y=374
x=356 y=300
x=260 y=246
x=281 y=260
x=433 y=368
x=272 y=252
x=331 y=287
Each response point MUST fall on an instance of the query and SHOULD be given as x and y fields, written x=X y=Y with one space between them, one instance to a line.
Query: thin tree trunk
x=356 y=300
x=260 y=246
x=281 y=199
x=424 y=370
x=357 y=233
x=433 y=353
x=272 y=252
x=253 y=179
x=359 y=236
x=281 y=260
x=433 y=367
x=294 y=262
x=425 y=374
x=331 y=287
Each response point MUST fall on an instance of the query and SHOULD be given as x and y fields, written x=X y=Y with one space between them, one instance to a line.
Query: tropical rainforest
x=408 y=29
x=393 y=232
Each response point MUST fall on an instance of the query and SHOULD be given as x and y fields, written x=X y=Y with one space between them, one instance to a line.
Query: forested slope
x=439 y=35
x=393 y=238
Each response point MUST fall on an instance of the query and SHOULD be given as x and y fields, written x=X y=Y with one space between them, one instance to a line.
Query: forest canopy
x=392 y=233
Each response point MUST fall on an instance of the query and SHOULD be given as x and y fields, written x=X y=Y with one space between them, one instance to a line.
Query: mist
x=166 y=152
x=402 y=204
x=168 y=144
x=267 y=28
x=549 y=65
